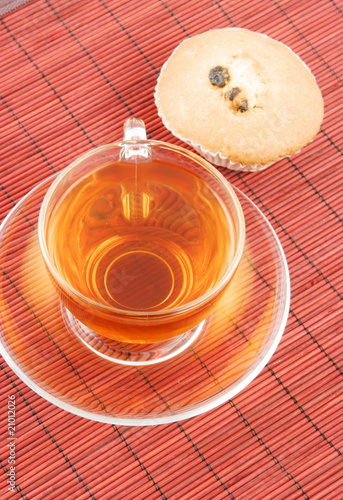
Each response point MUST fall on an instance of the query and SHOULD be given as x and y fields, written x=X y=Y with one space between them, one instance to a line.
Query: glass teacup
x=141 y=239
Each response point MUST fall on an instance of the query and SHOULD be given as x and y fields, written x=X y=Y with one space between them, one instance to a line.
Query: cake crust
x=241 y=94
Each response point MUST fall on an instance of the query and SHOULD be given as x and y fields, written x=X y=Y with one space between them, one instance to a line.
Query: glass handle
x=134 y=130
x=134 y=133
x=136 y=149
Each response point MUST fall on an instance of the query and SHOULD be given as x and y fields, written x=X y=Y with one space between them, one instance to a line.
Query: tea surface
x=144 y=238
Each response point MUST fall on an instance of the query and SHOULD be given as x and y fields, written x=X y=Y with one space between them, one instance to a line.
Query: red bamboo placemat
x=71 y=73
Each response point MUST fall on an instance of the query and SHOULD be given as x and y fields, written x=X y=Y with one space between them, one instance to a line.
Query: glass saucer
x=240 y=337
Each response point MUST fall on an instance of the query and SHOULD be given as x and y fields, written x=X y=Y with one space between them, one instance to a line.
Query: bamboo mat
x=71 y=73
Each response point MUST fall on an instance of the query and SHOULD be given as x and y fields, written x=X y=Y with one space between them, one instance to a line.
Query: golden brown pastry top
x=239 y=93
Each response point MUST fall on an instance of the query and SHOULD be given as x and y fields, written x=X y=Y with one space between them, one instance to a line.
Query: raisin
x=243 y=106
x=232 y=94
x=219 y=76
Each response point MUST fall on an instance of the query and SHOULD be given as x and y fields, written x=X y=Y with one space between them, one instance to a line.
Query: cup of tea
x=141 y=239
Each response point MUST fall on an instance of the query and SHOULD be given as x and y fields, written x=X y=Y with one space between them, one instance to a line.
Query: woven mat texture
x=70 y=73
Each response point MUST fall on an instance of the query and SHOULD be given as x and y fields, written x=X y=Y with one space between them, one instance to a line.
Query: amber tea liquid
x=146 y=237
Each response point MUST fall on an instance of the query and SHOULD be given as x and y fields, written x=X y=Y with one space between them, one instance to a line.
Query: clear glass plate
x=240 y=337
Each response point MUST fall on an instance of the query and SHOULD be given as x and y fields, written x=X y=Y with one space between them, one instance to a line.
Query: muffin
x=240 y=98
